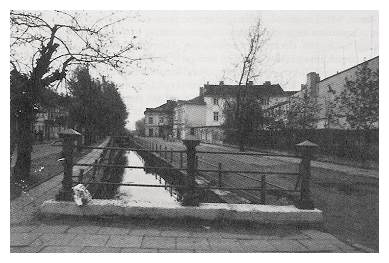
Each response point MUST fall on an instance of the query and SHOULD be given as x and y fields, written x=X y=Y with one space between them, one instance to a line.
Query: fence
x=306 y=150
x=350 y=144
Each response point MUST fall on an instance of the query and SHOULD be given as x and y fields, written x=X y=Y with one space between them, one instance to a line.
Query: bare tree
x=44 y=45
x=250 y=62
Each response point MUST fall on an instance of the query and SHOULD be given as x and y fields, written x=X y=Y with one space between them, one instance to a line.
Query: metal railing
x=192 y=169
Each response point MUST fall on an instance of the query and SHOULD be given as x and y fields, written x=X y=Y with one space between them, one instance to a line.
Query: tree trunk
x=24 y=146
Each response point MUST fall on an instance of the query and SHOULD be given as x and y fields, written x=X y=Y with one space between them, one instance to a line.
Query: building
x=324 y=91
x=159 y=120
x=50 y=122
x=203 y=115
x=188 y=115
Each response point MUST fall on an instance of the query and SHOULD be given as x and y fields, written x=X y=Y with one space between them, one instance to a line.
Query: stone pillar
x=306 y=149
x=190 y=196
x=69 y=137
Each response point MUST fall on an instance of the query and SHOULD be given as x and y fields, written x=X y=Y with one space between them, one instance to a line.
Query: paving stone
x=320 y=245
x=159 y=242
x=23 y=239
x=257 y=246
x=28 y=249
x=145 y=232
x=43 y=228
x=124 y=241
x=61 y=249
x=288 y=246
x=172 y=233
x=225 y=245
x=139 y=250
x=101 y=250
x=193 y=243
x=90 y=240
x=87 y=229
x=56 y=239
x=23 y=228
x=113 y=231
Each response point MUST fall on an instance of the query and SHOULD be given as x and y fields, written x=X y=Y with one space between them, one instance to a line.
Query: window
x=216 y=116
x=215 y=101
x=150 y=120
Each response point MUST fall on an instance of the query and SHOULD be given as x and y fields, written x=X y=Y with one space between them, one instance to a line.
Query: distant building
x=50 y=122
x=159 y=120
x=203 y=115
x=324 y=91
x=188 y=115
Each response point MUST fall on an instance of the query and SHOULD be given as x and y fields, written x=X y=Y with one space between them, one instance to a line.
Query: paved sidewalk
x=147 y=236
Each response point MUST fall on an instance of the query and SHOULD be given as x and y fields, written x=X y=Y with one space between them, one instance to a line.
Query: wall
x=211 y=108
x=187 y=116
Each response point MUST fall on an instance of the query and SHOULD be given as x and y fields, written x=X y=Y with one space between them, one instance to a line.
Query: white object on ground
x=81 y=195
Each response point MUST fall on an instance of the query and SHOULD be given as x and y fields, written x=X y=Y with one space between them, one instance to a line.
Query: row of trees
x=95 y=106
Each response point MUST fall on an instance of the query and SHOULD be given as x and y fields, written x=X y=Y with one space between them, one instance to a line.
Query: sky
x=191 y=48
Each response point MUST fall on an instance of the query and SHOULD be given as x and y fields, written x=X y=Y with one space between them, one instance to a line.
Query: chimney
x=267 y=83
x=313 y=80
x=250 y=83
x=221 y=83
x=201 y=91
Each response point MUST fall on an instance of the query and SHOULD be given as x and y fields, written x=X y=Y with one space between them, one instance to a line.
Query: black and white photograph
x=193 y=130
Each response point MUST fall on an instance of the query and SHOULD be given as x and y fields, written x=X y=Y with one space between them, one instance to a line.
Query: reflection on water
x=144 y=194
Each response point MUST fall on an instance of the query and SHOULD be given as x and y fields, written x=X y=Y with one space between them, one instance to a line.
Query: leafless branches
x=55 y=42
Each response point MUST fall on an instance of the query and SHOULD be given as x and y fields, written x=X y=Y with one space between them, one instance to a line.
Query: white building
x=203 y=115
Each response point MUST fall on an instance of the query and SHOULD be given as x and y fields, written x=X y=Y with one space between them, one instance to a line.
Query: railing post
x=181 y=159
x=263 y=189
x=165 y=152
x=171 y=155
x=190 y=144
x=160 y=149
x=306 y=149
x=81 y=176
x=69 y=137
x=220 y=175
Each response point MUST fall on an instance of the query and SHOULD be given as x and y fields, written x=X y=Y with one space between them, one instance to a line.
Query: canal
x=151 y=195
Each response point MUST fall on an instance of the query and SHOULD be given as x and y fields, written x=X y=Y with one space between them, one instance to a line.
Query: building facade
x=324 y=92
x=159 y=120
x=203 y=116
x=50 y=122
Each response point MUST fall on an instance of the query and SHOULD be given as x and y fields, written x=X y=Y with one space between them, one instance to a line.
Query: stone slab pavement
x=147 y=236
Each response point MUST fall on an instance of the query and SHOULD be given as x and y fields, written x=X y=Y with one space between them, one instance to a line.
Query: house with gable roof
x=159 y=120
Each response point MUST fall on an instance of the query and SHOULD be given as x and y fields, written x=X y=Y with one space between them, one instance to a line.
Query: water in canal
x=150 y=195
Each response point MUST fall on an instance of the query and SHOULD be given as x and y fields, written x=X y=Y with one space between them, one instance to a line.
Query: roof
x=166 y=107
x=340 y=72
x=256 y=90
x=199 y=100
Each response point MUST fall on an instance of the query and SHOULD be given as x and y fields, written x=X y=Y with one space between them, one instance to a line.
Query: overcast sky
x=193 y=47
